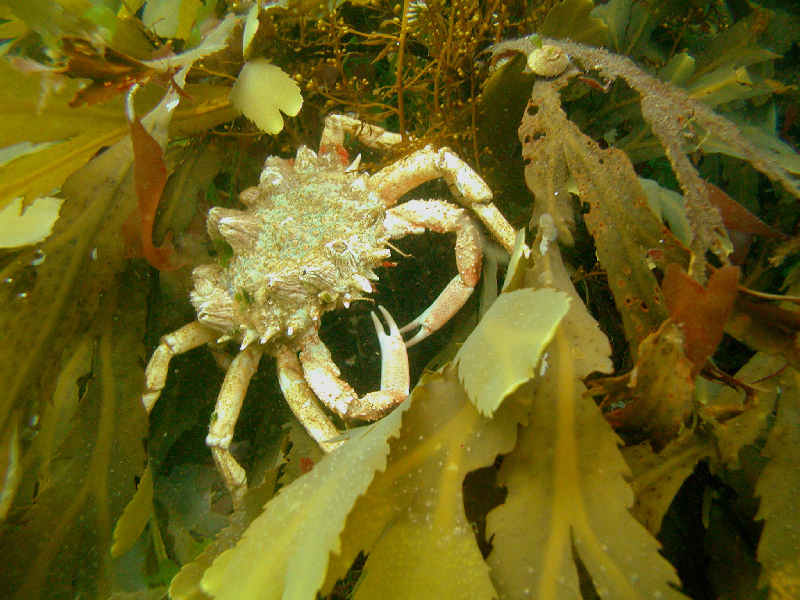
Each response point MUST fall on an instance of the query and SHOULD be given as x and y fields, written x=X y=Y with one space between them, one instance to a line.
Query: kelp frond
x=682 y=124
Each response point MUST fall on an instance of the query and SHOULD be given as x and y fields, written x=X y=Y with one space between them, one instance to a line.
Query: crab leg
x=415 y=216
x=226 y=413
x=181 y=340
x=337 y=126
x=303 y=402
x=424 y=165
x=323 y=376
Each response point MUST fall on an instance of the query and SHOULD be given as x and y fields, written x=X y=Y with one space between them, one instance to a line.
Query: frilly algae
x=262 y=91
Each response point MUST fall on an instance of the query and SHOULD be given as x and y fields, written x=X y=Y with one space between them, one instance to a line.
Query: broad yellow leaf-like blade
x=565 y=478
x=284 y=553
x=135 y=516
x=411 y=522
x=67 y=302
x=779 y=488
x=567 y=493
x=503 y=351
x=34 y=112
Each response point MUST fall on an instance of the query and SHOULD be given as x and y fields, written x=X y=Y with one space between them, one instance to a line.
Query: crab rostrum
x=307 y=242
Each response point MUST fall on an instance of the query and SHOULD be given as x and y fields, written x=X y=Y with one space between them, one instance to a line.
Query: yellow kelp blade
x=88 y=477
x=75 y=135
x=84 y=467
x=31 y=226
x=9 y=467
x=135 y=516
x=778 y=488
x=565 y=478
x=412 y=522
x=503 y=351
x=284 y=553
x=567 y=493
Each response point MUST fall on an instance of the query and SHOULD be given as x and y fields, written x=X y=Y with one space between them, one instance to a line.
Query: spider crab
x=312 y=231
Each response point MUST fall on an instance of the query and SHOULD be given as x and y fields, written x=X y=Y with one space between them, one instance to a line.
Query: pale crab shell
x=548 y=61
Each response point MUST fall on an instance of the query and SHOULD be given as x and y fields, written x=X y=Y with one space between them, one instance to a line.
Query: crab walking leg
x=424 y=165
x=303 y=402
x=323 y=376
x=181 y=340
x=415 y=216
x=337 y=126
x=226 y=413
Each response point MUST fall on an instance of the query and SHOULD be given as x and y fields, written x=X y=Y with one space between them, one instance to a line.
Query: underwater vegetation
x=615 y=412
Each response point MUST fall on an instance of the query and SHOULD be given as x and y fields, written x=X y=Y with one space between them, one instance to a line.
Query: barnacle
x=548 y=61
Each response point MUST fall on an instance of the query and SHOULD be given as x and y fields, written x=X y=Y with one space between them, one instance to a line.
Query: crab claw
x=395 y=379
x=448 y=303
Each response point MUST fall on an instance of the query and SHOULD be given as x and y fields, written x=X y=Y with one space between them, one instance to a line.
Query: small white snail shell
x=548 y=61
